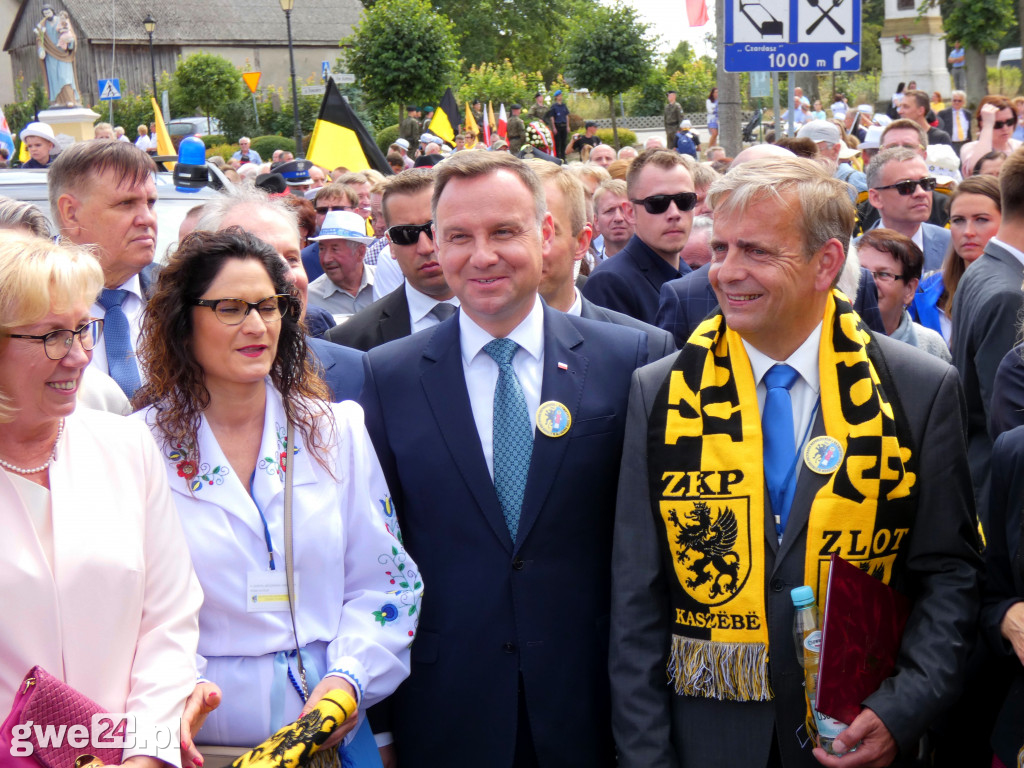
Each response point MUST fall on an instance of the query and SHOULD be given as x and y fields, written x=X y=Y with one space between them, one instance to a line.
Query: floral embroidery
x=410 y=588
x=277 y=465
x=388 y=612
x=196 y=475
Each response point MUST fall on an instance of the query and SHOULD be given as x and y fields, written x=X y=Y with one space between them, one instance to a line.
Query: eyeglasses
x=325 y=209
x=907 y=187
x=409 y=234
x=886 y=277
x=57 y=344
x=234 y=311
x=1003 y=124
x=685 y=201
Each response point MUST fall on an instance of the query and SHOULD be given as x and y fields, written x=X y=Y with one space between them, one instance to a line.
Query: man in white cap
x=346 y=286
x=830 y=143
x=39 y=141
x=401 y=146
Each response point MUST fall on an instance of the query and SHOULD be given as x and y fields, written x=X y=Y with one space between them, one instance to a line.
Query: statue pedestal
x=70 y=124
x=923 y=60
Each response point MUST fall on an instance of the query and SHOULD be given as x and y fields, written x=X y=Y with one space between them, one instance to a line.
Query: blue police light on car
x=190 y=173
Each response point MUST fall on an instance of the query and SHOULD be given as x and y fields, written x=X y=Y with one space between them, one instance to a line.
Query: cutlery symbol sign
x=825 y=15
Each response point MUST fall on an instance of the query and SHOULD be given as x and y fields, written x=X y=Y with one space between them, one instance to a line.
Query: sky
x=668 y=19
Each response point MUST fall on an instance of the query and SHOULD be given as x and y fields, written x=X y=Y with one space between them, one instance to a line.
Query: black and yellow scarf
x=709 y=498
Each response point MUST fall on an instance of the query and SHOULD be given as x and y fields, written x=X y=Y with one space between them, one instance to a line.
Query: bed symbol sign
x=792 y=35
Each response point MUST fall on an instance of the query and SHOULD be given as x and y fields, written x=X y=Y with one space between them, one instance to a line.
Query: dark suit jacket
x=985 y=314
x=659 y=342
x=946 y=123
x=629 y=282
x=655 y=728
x=685 y=302
x=341 y=368
x=1007 y=408
x=385 y=320
x=534 y=610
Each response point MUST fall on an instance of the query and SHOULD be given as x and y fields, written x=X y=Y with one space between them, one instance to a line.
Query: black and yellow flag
x=446 y=118
x=341 y=140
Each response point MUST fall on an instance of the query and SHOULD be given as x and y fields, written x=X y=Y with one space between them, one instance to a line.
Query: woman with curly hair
x=236 y=408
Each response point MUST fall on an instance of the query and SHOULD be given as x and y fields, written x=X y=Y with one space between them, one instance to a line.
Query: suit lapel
x=808 y=484
x=561 y=345
x=444 y=385
x=394 y=317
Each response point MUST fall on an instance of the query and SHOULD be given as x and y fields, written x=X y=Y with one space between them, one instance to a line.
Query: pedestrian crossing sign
x=110 y=90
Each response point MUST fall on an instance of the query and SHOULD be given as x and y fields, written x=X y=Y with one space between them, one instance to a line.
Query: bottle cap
x=802 y=596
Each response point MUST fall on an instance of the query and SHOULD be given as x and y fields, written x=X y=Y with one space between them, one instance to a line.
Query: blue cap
x=802 y=596
x=558 y=92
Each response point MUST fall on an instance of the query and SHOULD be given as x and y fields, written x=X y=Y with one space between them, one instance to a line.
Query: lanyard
x=777 y=499
x=266 y=528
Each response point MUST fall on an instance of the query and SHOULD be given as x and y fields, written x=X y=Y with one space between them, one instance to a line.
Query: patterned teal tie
x=117 y=340
x=513 y=434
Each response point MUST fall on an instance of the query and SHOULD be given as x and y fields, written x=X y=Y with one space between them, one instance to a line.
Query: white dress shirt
x=577 y=305
x=1016 y=252
x=133 y=306
x=482 y=372
x=420 y=307
x=389 y=275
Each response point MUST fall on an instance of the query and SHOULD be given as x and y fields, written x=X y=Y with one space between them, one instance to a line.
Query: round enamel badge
x=553 y=418
x=823 y=455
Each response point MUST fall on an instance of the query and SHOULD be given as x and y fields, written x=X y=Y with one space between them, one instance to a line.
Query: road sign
x=252 y=79
x=313 y=90
x=343 y=78
x=110 y=90
x=325 y=70
x=792 y=35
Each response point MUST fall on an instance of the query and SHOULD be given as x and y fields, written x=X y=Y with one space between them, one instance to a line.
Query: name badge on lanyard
x=267 y=591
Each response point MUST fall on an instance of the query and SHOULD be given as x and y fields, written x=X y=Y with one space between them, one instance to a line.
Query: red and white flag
x=697 y=12
x=502 y=122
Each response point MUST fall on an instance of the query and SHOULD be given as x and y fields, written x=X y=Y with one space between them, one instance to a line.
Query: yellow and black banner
x=340 y=140
x=446 y=118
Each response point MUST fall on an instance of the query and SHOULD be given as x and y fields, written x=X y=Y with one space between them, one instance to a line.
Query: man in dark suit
x=276 y=224
x=782 y=229
x=424 y=299
x=662 y=200
x=566 y=201
x=686 y=301
x=986 y=310
x=956 y=120
x=511 y=527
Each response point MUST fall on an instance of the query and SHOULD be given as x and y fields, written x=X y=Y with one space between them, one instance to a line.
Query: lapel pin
x=823 y=455
x=563 y=366
x=553 y=419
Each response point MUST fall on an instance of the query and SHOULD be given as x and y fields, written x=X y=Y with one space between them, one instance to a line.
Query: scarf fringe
x=723 y=671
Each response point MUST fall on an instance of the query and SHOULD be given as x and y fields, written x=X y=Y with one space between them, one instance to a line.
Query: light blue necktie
x=118 y=341
x=779 y=442
x=513 y=434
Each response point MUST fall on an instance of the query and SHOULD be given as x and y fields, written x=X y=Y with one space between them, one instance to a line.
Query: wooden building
x=111 y=40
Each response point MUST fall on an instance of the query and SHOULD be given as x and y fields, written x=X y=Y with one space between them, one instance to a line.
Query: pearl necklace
x=49 y=461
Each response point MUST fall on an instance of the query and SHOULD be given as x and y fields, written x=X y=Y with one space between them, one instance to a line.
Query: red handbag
x=47 y=706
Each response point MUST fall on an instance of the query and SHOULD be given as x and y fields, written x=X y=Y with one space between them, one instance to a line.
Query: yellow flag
x=164 y=146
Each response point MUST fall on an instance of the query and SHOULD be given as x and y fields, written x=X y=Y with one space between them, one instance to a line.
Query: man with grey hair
x=956 y=119
x=245 y=153
x=830 y=141
x=276 y=224
x=721 y=512
x=900 y=188
x=502 y=507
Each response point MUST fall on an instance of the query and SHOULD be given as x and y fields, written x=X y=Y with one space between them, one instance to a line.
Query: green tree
x=204 y=81
x=609 y=52
x=499 y=83
x=400 y=52
x=679 y=58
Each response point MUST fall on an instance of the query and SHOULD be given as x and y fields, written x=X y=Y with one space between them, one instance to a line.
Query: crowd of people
x=523 y=455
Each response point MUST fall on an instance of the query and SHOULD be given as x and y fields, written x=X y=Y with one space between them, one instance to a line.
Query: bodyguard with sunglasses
x=662 y=199
x=900 y=188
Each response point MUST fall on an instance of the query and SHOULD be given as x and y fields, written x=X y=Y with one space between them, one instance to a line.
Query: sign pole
x=790 y=95
x=776 y=109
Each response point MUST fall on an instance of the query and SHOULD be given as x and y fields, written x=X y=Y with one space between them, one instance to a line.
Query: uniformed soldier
x=558 y=119
x=478 y=113
x=538 y=109
x=516 y=130
x=428 y=115
x=673 y=117
x=410 y=128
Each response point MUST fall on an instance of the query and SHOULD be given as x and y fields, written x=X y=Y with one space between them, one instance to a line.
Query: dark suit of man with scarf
x=721 y=511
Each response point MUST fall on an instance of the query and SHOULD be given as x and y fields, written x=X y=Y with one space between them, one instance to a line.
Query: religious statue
x=56 y=46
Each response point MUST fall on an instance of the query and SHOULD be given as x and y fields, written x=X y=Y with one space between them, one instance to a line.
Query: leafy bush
x=225 y=151
x=386 y=137
x=265 y=145
x=214 y=140
x=498 y=83
x=626 y=137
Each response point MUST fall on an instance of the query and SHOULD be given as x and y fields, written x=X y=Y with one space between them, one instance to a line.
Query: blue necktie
x=779 y=442
x=118 y=341
x=513 y=434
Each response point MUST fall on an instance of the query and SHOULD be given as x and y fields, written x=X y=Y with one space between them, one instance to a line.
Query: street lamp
x=286 y=6
x=150 y=24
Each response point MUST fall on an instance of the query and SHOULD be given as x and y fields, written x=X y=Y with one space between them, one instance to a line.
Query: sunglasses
x=324 y=210
x=907 y=187
x=1003 y=123
x=409 y=234
x=685 y=201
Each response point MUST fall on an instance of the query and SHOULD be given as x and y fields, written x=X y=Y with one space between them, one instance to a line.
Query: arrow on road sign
x=846 y=54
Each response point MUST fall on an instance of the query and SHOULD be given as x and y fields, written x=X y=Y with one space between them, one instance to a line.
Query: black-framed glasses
x=234 y=311
x=57 y=344
x=685 y=201
x=1003 y=123
x=409 y=234
x=886 y=277
x=323 y=210
x=908 y=186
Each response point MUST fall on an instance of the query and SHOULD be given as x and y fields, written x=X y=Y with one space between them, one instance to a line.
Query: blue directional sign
x=792 y=35
x=110 y=90
x=325 y=70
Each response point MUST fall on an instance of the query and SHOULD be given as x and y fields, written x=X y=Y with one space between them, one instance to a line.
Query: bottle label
x=812 y=641
x=828 y=727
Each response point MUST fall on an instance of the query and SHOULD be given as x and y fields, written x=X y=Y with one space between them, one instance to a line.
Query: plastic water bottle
x=807 y=640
